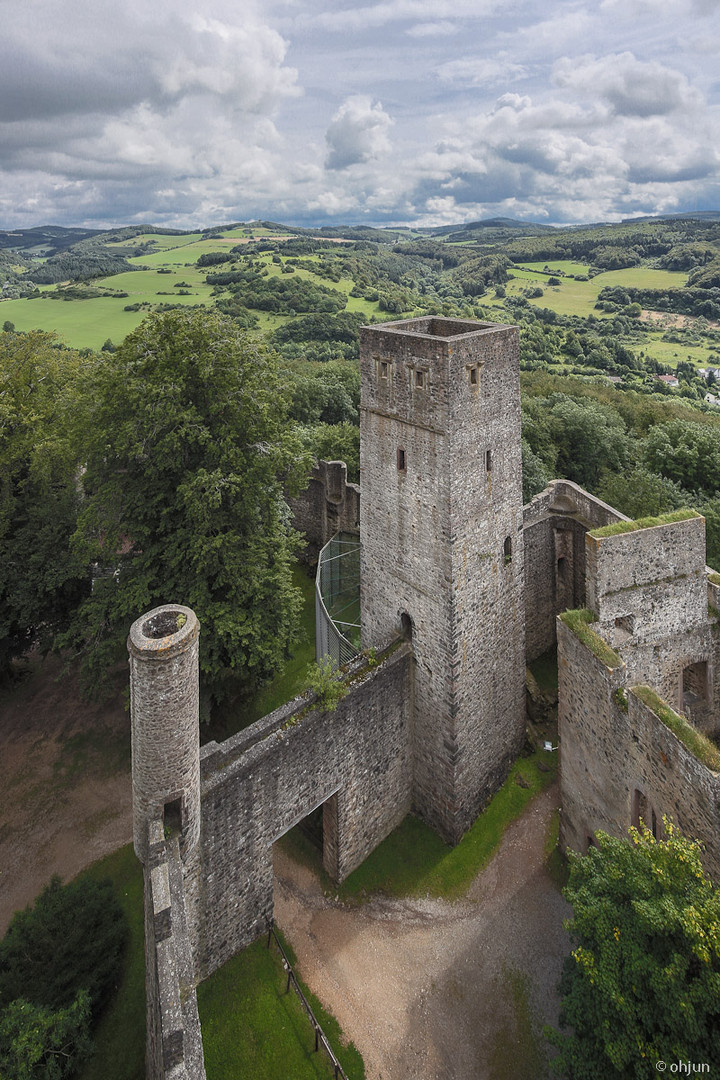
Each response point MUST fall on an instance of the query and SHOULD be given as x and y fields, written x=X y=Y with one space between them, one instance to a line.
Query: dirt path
x=66 y=792
x=428 y=989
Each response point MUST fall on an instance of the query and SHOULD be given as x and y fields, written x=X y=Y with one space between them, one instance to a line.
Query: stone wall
x=614 y=762
x=262 y=781
x=442 y=546
x=174 y=1040
x=204 y=903
x=555 y=524
x=649 y=591
x=328 y=505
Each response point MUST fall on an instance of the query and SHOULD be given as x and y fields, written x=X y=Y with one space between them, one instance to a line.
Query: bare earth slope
x=428 y=989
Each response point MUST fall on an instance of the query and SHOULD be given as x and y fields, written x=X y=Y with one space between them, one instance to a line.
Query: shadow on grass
x=414 y=861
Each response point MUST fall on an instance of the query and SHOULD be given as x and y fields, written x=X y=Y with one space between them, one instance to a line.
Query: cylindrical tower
x=164 y=705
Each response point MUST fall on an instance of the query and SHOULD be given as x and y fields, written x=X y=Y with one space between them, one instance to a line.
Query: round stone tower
x=164 y=705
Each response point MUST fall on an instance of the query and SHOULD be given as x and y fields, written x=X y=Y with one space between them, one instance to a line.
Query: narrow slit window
x=419 y=378
x=507 y=550
x=488 y=460
x=473 y=376
x=401 y=462
x=383 y=369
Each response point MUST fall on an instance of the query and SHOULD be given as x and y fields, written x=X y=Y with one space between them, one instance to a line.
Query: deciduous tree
x=643 y=982
x=188 y=453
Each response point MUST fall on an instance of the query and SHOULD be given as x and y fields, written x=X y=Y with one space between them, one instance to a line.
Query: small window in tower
x=419 y=377
x=473 y=376
x=507 y=550
x=172 y=817
x=402 y=467
x=488 y=460
x=383 y=369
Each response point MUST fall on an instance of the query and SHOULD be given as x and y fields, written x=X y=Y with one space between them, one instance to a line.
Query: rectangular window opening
x=383 y=369
x=419 y=377
x=473 y=376
x=401 y=463
x=695 y=684
x=488 y=460
x=172 y=817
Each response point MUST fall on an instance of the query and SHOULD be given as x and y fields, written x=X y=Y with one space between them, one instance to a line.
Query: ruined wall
x=555 y=524
x=262 y=781
x=328 y=505
x=204 y=903
x=441 y=537
x=614 y=762
x=649 y=591
x=174 y=1040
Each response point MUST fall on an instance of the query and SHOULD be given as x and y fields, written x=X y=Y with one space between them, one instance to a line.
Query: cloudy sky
x=384 y=111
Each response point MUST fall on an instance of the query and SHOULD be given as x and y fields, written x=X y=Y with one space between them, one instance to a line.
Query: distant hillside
x=530 y=228
x=45 y=239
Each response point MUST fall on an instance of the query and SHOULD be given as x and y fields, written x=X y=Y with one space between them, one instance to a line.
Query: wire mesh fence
x=337 y=599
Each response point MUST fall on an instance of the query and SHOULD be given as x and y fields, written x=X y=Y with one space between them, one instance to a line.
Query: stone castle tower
x=442 y=547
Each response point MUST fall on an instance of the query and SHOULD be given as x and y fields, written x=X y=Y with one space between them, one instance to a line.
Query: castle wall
x=174 y=1040
x=649 y=590
x=202 y=906
x=614 y=761
x=262 y=781
x=328 y=505
x=554 y=526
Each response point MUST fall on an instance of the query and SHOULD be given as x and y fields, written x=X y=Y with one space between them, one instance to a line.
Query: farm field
x=168 y=269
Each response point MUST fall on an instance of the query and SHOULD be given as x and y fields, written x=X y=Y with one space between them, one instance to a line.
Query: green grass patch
x=414 y=861
x=697 y=743
x=119 y=1037
x=578 y=621
x=643 y=523
x=714 y=577
x=564 y=266
x=252 y=1027
x=642 y=277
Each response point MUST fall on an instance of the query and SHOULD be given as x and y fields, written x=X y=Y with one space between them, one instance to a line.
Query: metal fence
x=321 y=1039
x=337 y=600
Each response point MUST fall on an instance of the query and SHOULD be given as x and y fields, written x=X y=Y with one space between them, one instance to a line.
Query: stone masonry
x=459 y=586
x=442 y=547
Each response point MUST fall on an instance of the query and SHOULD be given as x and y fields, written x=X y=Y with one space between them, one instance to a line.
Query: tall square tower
x=442 y=546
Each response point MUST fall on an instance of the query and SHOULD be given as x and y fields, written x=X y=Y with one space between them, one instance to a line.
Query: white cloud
x=357 y=133
x=482 y=71
x=433 y=29
x=374 y=15
x=631 y=87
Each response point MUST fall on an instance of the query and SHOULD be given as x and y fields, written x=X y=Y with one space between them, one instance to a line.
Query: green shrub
x=41 y=1044
x=71 y=940
x=329 y=689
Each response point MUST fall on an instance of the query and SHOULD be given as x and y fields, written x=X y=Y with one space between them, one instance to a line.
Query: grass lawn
x=120 y=1035
x=253 y=1028
x=414 y=861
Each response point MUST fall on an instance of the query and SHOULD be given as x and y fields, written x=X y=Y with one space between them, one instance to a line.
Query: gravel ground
x=433 y=990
